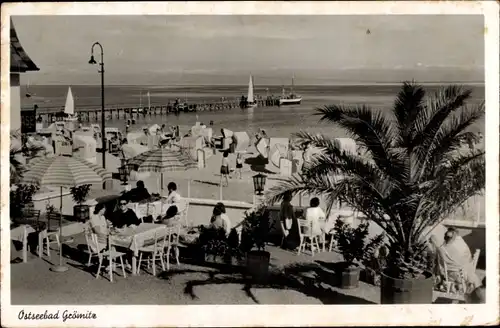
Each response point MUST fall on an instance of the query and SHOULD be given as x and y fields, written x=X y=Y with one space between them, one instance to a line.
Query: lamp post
x=103 y=120
x=259 y=181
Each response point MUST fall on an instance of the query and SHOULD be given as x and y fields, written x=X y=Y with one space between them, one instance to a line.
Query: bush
x=80 y=193
x=214 y=242
x=352 y=243
x=21 y=195
x=256 y=226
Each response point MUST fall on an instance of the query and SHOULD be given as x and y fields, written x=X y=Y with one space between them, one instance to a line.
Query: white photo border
x=272 y=315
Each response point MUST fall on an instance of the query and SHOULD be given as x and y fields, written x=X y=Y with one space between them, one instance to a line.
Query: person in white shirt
x=316 y=216
x=173 y=196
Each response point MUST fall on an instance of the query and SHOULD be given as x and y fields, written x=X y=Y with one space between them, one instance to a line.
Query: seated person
x=455 y=255
x=124 y=216
x=139 y=193
x=316 y=216
x=99 y=225
x=98 y=222
x=171 y=218
x=219 y=219
x=173 y=196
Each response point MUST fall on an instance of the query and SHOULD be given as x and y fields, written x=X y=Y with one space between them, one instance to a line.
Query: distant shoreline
x=261 y=86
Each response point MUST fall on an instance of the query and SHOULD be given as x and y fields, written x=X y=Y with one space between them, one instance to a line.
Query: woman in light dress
x=99 y=225
x=455 y=257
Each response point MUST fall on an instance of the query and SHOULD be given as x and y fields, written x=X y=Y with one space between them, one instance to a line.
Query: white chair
x=154 y=247
x=306 y=237
x=183 y=207
x=462 y=274
x=172 y=243
x=141 y=211
x=99 y=247
x=106 y=253
x=91 y=245
x=475 y=258
x=50 y=235
x=322 y=222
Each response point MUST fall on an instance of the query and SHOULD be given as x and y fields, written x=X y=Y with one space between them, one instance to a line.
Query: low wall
x=42 y=199
x=200 y=210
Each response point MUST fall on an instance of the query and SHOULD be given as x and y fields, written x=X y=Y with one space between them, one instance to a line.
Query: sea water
x=276 y=121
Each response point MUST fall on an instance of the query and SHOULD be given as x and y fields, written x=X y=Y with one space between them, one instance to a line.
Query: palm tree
x=414 y=171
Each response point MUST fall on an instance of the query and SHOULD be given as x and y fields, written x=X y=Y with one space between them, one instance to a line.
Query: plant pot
x=406 y=291
x=372 y=276
x=258 y=264
x=349 y=276
x=81 y=213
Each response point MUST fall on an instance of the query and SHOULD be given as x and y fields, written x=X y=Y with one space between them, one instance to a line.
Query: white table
x=21 y=233
x=133 y=238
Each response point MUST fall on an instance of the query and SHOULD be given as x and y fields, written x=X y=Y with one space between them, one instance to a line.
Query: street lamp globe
x=92 y=60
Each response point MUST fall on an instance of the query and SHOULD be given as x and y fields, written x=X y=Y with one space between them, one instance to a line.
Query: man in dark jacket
x=138 y=194
x=124 y=216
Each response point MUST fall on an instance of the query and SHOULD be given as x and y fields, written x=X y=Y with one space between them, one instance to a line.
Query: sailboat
x=149 y=102
x=69 y=108
x=28 y=93
x=291 y=98
x=250 y=103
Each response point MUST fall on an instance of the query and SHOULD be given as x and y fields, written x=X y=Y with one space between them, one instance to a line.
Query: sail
x=69 y=107
x=149 y=101
x=250 y=90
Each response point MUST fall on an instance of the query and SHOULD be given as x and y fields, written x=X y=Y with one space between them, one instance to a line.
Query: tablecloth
x=135 y=237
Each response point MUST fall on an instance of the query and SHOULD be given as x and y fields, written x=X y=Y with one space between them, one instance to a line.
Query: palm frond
x=462 y=179
x=409 y=103
x=428 y=123
x=453 y=135
x=372 y=131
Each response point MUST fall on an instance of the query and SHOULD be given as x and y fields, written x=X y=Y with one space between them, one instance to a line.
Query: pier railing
x=93 y=114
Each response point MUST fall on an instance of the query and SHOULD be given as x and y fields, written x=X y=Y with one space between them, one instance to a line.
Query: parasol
x=63 y=171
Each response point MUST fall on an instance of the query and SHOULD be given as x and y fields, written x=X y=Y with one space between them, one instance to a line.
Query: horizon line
x=277 y=85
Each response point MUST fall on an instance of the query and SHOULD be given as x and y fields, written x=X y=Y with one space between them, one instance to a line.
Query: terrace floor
x=294 y=279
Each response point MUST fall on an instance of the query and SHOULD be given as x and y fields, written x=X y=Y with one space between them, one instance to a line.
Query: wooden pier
x=52 y=114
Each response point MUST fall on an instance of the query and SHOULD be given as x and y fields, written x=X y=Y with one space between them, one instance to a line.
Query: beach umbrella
x=63 y=171
x=162 y=160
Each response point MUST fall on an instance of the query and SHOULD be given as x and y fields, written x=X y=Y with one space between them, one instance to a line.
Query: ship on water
x=291 y=98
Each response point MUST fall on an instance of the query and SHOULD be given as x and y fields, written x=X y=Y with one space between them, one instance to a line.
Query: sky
x=163 y=50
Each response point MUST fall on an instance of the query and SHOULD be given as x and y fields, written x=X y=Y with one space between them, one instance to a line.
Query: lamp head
x=92 y=60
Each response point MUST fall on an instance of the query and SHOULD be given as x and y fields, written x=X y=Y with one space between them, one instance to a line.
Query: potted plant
x=374 y=261
x=256 y=226
x=80 y=193
x=354 y=246
x=21 y=197
x=218 y=248
x=415 y=169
